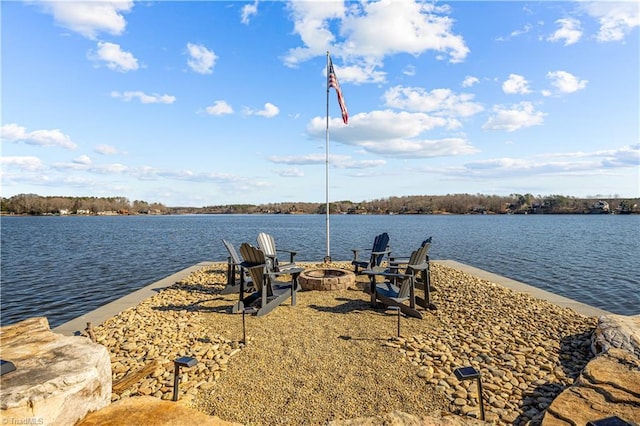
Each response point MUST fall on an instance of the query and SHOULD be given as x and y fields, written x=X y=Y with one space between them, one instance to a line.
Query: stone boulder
x=58 y=379
x=609 y=385
x=617 y=331
x=147 y=410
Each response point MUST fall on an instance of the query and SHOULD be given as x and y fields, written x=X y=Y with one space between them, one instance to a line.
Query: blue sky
x=196 y=103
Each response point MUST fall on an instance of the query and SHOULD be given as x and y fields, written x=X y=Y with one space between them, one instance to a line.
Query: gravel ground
x=327 y=358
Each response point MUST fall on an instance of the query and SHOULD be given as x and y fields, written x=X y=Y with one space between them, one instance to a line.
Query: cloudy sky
x=199 y=103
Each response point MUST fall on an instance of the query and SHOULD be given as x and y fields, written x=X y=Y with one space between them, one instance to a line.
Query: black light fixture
x=470 y=373
x=609 y=421
x=6 y=367
x=185 y=361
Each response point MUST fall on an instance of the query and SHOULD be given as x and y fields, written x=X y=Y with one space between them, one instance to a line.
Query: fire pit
x=326 y=279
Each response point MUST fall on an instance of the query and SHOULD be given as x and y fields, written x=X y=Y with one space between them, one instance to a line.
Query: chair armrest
x=419 y=267
x=356 y=252
x=292 y=253
x=249 y=265
x=381 y=252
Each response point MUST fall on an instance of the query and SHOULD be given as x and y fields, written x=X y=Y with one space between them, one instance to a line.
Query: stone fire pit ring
x=325 y=279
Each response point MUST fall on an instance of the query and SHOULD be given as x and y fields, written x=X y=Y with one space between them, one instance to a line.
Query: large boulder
x=609 y=385
x=147 y=410
x=617 y=331
x=58 y=379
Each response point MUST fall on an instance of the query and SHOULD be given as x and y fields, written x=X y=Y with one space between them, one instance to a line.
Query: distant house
x=600 y=207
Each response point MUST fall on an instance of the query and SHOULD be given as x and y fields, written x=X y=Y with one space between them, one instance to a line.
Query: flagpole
x=326 y=165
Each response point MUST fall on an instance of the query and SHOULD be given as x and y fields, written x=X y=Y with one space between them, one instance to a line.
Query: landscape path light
x=470 y=373
x=396 y=308
x=7 y=367
x=185 y=361
x=609 y=421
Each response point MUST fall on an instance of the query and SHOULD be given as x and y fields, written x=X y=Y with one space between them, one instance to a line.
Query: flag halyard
x=333 y=82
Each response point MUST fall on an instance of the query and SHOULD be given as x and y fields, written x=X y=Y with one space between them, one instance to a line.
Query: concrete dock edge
x=520 y=287
x=103 y=313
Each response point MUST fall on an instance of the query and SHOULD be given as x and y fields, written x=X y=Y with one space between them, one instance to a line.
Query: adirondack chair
x=237 y=276
x=396 y=262
x=267 y=244
x=399 y=288
x=378 y=251
x=270 y=291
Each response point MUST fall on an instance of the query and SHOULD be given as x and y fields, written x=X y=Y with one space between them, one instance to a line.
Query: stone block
x=617 y=331
x=146 y=410
x=609 y=385
x=58 y=379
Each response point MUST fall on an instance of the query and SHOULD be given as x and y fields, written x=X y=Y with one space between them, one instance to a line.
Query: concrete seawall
x=101 y=314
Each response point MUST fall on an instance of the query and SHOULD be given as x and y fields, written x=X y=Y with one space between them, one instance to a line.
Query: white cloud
x=392 y=134
x=154 y=98
x=83 y=159
x=269 y=111
x=311 y=21
x=516 y=117
x=27 y=163
x=115 y=58
x=617 y=19
x=470 y=81
x=570 y=31
x=219 y=108
x=409 y=70
x=292 y=172
x=558 y=164
x=359 y=73
x=400 y=27
x=15 y=133
x=516 y=84
x=201 y=59
x=439 y=101
x=524 y=30
x=89 y=18
x=80 y=164
x=107 y=150
x=249 y=10
x=565 y=82
x=335 y=161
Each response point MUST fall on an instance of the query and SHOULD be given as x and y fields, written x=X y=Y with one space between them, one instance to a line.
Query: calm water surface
x=62 y=267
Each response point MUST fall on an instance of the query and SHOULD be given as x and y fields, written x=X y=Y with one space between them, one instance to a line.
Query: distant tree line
x=32 y=204
x=438 y=204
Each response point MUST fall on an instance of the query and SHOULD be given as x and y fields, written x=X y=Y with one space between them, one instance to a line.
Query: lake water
x=62 y=267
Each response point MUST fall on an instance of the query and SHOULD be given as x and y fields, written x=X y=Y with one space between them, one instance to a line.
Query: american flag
x=333 y=82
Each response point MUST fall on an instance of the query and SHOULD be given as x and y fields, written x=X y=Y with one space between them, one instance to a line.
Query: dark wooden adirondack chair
x=267 y=244
x=396 y=262
x=270 y=291
x=399 y=288
x=378 y=251
x=237 y=276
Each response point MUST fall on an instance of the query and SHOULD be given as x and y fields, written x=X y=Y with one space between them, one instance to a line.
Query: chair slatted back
x=417 y=258
x=267 y=244
x=380 y=243
x=254 y=258
x=232 y=252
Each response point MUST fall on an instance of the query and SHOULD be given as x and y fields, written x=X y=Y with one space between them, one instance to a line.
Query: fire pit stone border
x=326 y=279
